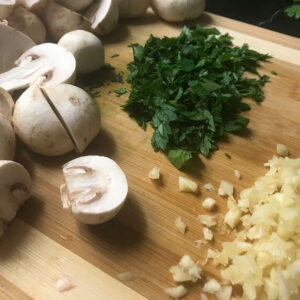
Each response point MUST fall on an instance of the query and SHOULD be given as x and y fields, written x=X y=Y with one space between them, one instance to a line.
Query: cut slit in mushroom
x=97 y=194
x=15 y=188
x=46 y=63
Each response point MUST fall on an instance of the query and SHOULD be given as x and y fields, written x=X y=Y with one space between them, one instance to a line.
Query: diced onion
x=180 y=225
x=176 y=292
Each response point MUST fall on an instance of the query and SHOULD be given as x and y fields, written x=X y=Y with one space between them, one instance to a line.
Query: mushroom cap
x=46 y=63
x=87 y=49
x=6 y=104
x=13 y=44
x=96 y=188
x=15 y=188
x=77 y=111
x=33 y=5
x=38 y=126
x=104 y=16
x=59 y=20
x=27 y=22
x=178 y=10
x=7 y=139
x=132 y=8
x=75 y=5
x=6 y=8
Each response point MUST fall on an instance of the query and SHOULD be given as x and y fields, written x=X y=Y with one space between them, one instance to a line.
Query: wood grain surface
x=45 y=241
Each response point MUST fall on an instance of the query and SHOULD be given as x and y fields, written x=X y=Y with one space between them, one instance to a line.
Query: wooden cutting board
x=45 y=241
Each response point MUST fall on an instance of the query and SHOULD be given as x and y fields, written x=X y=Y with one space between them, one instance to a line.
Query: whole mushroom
x=132 y=8
x=27 y=22
x=15 y=188
x=46 y=64
x=87 y=49
x=57 y=119
x=178 y=10
x=95 y=188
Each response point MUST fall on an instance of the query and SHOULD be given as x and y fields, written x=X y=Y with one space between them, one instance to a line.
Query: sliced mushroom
x=132 y=8
x=37 y=125
x=6 y=104
x=104 y=16
x=75 y=5
x=77 y=111
x=95 y=188
x=59 y=20
x=13 y=44
x=15 y=188
x=87 y=49
x=33 y=5
x=27 y=22
x=6 y=8
x=46 y=64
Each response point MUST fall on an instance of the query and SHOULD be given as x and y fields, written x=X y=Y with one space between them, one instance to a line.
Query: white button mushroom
x=7 y=134
x=132 y=8
x=37 y=125
x=13 y=44
x=27 y=22
x=178 y=10
x=6 y=8
x=46 y=63
x=57 y=119
x=76 y=5
x=87 y=49
x=77 y=111
x=59 y=20
x=104 y=16
x=95 y=188
x=15 y=188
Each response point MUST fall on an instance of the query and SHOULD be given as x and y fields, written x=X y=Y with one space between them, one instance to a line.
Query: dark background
x=264 y=13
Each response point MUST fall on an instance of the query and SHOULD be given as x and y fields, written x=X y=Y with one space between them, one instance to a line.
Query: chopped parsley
x=190 y=89
x=115 y=55
x=118 y=78
x=228 y=155
x=273 y=72
x=120 y=91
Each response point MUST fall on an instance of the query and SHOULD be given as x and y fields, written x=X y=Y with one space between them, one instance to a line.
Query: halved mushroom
x=104 y=16
x=77 y=111
x=6 y=8
x=95 y=188
x=33 y=5
x=13 y=44
x=37 y=125
x=75 y=5
x=87 y=49
x=15 y=188
x=46 y=64
x=132 y=8
x=6 y=104
x=27 y=22
x=59 y=20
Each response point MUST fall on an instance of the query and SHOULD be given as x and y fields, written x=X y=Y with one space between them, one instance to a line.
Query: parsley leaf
x=190 y=89
x=115 y=55
x=294 y=10
x=120 y=91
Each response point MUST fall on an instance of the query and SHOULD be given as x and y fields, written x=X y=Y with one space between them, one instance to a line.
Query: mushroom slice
x=6 y=8
x=13 y=44
x=75 y=5
x=77 y=111
x=33 y=5
x=6 y=104
x=46 y=63
x=7 y=139
x=104 y=16
x=27 y=22
x=96 y=188
x=59 y=20
x=37 y=125
x=15 y=188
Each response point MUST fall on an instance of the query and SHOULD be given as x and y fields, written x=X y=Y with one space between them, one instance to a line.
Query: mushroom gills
x=45 y=63
x=95 y=187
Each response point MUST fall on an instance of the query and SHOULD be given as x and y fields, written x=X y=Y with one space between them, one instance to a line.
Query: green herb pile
x=191 y=88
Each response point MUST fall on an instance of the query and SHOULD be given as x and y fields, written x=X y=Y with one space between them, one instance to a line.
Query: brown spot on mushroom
x=74 y=100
